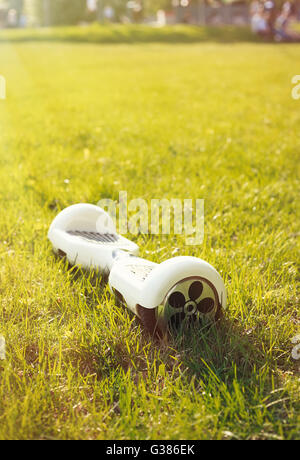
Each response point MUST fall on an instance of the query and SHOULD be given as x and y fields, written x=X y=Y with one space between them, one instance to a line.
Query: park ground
x=181 y=118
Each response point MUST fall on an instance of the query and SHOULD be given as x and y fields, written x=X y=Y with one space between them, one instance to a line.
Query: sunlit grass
x=205 y=121
x=96 y=33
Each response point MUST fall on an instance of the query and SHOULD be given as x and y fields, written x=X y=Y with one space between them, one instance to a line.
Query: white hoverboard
x=167 y=296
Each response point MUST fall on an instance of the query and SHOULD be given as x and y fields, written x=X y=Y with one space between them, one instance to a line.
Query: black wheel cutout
x=206 y=305
x=177 y=300
x=195 y=290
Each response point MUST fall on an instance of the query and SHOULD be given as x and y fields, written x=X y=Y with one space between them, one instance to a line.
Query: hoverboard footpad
x=179 y=290
x=95 y=237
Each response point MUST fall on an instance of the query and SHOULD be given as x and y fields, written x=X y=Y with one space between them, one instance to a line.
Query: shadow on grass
x=221 y=344
x=225 y=349
x=223 y=358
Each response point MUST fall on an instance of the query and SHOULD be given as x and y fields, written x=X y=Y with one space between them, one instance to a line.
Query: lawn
x=209 y=120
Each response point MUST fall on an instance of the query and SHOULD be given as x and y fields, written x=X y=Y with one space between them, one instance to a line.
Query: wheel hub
x=189 y=301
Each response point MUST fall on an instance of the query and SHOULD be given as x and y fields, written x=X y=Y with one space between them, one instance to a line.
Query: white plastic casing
x=90 y=218
x=139 y=281
x=145 y=283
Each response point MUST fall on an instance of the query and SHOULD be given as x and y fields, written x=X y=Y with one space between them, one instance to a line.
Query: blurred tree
x=133 y=8
x=119 y=8
x=57 y=12
x=67 y=11
x=152 y=6
x=34 y=11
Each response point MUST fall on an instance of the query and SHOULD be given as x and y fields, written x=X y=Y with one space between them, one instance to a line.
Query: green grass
x=210 y=120
x=131 y=34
